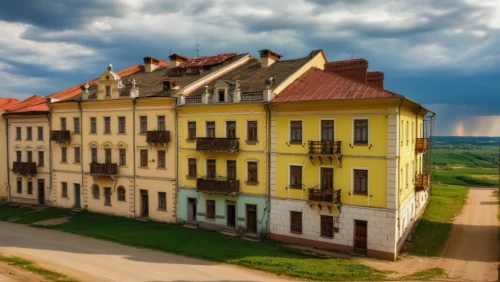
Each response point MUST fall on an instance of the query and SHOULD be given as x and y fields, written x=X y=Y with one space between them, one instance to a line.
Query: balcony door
x=326 y=178
x=211 y=169
x=210 y=129
x=231 y=170
x=231 y=129
x=108 y=155
x=327 y=130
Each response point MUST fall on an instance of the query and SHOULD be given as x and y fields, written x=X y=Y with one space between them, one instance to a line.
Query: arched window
x=95 y=192
x=121 y=194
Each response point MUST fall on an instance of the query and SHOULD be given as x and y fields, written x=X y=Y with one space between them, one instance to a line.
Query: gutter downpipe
x=134 y=101
x=268 y=174
x=81 y=148
x=177 y=164
x=49 y=117
x=7 y=138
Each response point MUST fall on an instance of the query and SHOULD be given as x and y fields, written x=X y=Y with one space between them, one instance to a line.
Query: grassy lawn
x=466 y=176
x=31 y=267
x=424 y=275
x=434 y=227
x=479 y=156
x=8 y=211
x=41 y=215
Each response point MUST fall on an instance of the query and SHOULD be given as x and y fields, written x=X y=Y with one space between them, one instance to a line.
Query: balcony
x=24 y=168
x=422 y=182
x=230 y=145
x=60 y=135
x=326 y=195
x=422 y=145
x=158 y=136
x=329 y=149
x=214 y=186
x=103 y=169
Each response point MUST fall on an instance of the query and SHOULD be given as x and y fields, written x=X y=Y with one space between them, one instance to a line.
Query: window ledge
x=210 y=218
x=296 y=232
x=162 y=210
x=161 y=168
x=326 y=237
x=143 y=167
x=107 y=205
x=190 y=177
x=76 y=163
x=360 y=194
x=360 y=143
x=105 y=133
x=92 y=133
x=64 y=162
x=252 y=183
x=64 y=197
x=251 y=142
x=76 y=133
x=295 y=187
x=296 y=142
x=122 y=133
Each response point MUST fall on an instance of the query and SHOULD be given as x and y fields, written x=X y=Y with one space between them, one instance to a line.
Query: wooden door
x=77 y=196
x=231 y=215
x=251 y=219
x=360 y=234
x=144 y=203
x=191 y=210
x=41 y=192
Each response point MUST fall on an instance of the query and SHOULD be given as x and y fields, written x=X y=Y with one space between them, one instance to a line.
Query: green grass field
x=30 y=266
x=482 y=177
x=434 y=227
x=479 y=156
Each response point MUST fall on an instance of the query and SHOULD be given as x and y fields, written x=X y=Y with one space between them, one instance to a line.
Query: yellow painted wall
x=4 y=192
x=220 y=113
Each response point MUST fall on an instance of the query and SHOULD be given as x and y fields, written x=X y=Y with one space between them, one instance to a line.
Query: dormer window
x=221 y=93
x=108 y=91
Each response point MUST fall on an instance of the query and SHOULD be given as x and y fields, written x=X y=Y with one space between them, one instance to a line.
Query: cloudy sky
x=442 y=53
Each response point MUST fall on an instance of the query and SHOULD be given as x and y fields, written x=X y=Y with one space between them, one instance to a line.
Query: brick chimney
x=375 y=78
x=150 y=64
x=268 y=57
x=354 y=69
x=177 y=59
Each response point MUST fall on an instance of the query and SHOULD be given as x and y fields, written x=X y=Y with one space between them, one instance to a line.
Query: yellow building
x=223 y=144
x=5 y=104
x=346 y=172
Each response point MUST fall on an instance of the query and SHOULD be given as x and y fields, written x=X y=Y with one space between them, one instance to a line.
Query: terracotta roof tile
x=7 y=103
x=34 y=103
x=205 y=61
x=319 y=85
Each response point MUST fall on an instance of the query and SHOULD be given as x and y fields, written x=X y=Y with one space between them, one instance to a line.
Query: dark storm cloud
x=58 y=14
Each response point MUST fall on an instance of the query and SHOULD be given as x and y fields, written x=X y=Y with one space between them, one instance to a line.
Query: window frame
x=192 y=168
x=19 y=156
x=107 y=196
x=29 y=156
x=63 y=123
x=107 y=125
x=29 y=187
x=356 y=174
x=19 y=186
x=327 y=226
x=252 y=132
x=40 y=133
x=231 y=129
x=252 y=170
x=162 y=158
x=143 y=124
x=19 y=134
x=291 y=173
x=41 y=158
x=143 y=157
x=231 y=170
x=93 y=125
x=208 y=168
x=161 y=124
x=96 y=192
x=64 y=154
x=29 y=133
x=295 y=130
x=210 y=130
x=295 y=227
x=107 y=91
x=121 y=194
x=93 y=152
x=210 y=206
x=122 y=126
x=108 y=156
x=122 y=158
x=64 y=189
x=355 y=127
x=76 y=125
x=78 y=155
x=162 y=201
x=191 y=130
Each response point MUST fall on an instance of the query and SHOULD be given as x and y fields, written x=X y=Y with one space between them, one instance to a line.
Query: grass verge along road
x=32 y=267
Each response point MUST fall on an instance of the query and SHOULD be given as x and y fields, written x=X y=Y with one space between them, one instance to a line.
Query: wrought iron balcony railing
x=60 y=135
x=103 y=169
x=231 y=145
x=24 y=168
x=218 y=186
x=327 y=195
x=422 y=145
x=158 y=136
x=422 y=182
x=324 y=147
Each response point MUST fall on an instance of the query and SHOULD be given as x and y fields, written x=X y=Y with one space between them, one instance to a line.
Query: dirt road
x=88 y=259
x=472 y=251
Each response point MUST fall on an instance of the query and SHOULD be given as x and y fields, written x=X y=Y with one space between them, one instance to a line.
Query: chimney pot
x=177 y=59
x=150 y=64
x=354 y=69
x=375 y=78
x=268 y=57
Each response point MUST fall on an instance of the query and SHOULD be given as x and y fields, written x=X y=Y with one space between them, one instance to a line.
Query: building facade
x=344 y=177
x=5 y=104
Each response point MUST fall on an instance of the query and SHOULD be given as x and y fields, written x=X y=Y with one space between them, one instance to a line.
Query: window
x=107 y=154
x=143 y=124
x=361 y=181
x=296 y=176
x=29 y=135
x=95 y=192
x=191 y=130
x=64 y=154
x=327 y=226
x=77 y=155
x=211 y=169
x=19 y=186
x=64 y=189
x=30 y=187
x=407 y=175
x=407 y=133
x=121 y=194
x=107 y=125
x=93 y=125
x=295 y=222
x=121 y=124
x=221 y=95
x=296 y=131
x=231 y=170
x=327 y=130
x=230 y=129
x=40 y=133
x=30 y=156
x=412 y=132
x=63 y=124
x=161 y=123
x=210 y=129
x=123 y=157
x=161 y=159
x=402 y=128
x=210 y=209
x=41 y=158
x=76 y=125
x=326 y=181
x=93 y=152
x=361 y=131
x=144 y=158
x=162 y=200
x=252 y=131
x=192 y=167
x=108 y=91
x=18 y=133
x=18 y=156
x=252 y=172
x=107 y=196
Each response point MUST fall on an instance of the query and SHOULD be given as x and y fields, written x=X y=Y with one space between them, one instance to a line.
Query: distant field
x=477 y=156
x=466 y=176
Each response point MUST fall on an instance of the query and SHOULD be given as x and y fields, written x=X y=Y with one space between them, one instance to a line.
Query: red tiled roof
x=77 y=89
x=7 y=103
x=319 y=85
x=205 y=61
x=34 y=103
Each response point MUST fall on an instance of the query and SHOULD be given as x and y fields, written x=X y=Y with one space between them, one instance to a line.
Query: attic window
x=221 y=95
x=107 y=76
x=108 y=91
